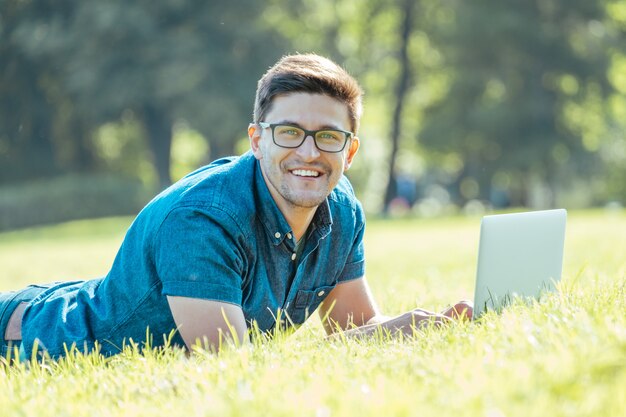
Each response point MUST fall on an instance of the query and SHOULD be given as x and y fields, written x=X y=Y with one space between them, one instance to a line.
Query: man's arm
x=349 y=304
x=350 y=307
x=210 y=323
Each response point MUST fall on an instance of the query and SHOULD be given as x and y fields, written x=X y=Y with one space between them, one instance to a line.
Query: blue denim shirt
x=217 y=234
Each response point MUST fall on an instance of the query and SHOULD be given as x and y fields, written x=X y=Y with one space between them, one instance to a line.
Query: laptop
x=519 y=255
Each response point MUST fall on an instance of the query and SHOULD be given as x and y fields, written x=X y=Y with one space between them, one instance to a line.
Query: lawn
x=563 y=356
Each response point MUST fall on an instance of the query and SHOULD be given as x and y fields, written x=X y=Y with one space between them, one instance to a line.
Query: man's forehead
x=303 y=107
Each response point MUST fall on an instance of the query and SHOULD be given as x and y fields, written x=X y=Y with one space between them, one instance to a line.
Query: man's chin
x=307 y=200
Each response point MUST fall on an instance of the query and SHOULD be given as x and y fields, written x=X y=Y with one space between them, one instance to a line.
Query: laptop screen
x=519 y=255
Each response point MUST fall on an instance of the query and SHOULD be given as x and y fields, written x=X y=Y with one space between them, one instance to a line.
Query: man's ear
x=351 y=152
x=254 y=133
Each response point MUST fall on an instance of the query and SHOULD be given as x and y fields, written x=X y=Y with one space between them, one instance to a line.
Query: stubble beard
x=295 y=198
x=299 y=201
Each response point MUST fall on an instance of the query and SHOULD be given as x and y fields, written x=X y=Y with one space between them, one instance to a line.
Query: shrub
x=68 y=198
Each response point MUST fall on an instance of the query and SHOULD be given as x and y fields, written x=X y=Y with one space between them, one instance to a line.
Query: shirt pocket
x=307 y=301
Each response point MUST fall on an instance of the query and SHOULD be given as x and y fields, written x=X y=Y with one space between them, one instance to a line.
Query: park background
x=469 y=106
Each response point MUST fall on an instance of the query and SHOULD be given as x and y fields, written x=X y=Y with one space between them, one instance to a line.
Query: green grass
x=564 y=356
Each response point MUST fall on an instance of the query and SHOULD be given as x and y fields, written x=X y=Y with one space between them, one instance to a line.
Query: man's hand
x=416 y=319
x=463 y=310
x=413 y=320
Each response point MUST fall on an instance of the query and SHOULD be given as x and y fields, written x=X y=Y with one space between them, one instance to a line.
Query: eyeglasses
x=290 y=136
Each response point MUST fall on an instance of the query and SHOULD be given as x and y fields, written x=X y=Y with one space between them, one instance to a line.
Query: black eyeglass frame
x=307 y=133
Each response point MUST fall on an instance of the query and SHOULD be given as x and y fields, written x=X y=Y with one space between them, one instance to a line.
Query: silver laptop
x=519 y=255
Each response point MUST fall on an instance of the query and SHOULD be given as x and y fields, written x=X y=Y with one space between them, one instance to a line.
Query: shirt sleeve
x=355 y=263
x=199 y=254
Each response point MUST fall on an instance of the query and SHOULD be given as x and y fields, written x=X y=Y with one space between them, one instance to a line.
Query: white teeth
x=305 y=173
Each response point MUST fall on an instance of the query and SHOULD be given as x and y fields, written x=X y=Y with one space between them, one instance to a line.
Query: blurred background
x=469 y=106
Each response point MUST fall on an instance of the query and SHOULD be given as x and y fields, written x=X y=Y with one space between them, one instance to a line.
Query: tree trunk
x=220 y=149
x=401 y=92
x=31 y=127
x=159 y=131
x=84 y=158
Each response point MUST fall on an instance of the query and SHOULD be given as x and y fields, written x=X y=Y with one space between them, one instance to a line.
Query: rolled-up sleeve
x=198 y=254
x=355 y=262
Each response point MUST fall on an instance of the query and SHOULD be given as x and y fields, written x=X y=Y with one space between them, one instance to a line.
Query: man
x=259 y=239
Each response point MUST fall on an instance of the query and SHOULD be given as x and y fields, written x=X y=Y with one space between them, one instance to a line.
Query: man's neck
x=299 y=219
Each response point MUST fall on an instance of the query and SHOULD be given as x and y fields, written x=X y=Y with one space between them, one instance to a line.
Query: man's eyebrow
x=290 y=122
x=287 y=122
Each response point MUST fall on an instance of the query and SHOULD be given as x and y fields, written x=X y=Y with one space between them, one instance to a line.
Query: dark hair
x=309 y=73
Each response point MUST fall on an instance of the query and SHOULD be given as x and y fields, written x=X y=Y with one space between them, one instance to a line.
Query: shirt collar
x=272 y=218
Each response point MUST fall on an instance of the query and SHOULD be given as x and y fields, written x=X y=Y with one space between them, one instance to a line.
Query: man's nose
x=308 y=150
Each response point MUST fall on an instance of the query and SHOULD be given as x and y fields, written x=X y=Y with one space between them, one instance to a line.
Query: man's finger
x=462 y=309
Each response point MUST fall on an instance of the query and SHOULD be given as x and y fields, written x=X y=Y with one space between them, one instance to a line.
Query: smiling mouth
x=305 y=173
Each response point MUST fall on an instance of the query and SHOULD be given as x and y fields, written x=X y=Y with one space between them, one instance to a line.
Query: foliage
x=527 y=99
x=562 y=356
x=503 y=101
x=164 y=62
x=364 y=37
x=508 y=101
x=69 y=197
x=26 y=112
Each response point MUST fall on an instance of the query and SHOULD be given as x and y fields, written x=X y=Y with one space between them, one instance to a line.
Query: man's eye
x=288 y=131
x=328 y=135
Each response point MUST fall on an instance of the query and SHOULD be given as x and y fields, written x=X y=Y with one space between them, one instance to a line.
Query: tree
x=402 y=87
x=31 y=101
x=518 y=69
x=372 y=40
x=163 y=61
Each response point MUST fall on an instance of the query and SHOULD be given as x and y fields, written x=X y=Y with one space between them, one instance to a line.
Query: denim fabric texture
x=216 y=234
x=8 y=303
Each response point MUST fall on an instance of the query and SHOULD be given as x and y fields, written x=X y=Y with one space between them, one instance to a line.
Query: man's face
x=302 y=177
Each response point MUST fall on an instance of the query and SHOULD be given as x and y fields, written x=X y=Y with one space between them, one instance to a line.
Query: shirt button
x=293 y=256
x=277 y=235
x=288 y=235
x=319 y=294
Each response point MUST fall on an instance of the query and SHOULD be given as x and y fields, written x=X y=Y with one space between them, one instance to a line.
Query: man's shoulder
x=224 y=164
x=228 y=169
x=223 y=188
x=225 y=182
